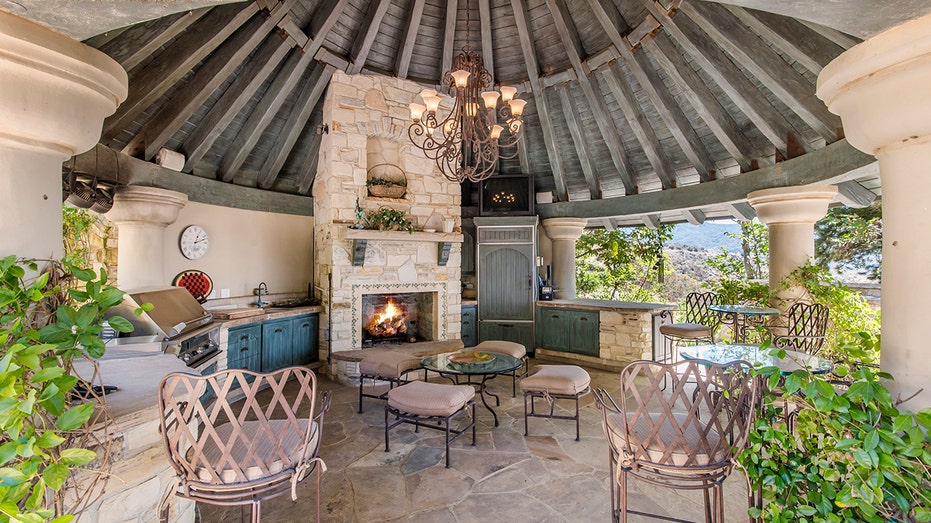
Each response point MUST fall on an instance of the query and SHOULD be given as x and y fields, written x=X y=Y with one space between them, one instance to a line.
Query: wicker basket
x=387 y=191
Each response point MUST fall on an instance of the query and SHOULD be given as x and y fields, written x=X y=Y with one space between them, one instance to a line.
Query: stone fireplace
x=368 y=118
x=405 y=317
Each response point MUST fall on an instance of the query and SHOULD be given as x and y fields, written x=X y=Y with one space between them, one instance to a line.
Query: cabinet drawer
x=244 y=348
x=469 y=332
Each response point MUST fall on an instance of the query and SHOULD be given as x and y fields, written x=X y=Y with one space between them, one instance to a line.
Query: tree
x=851 y=238
x=621 y=264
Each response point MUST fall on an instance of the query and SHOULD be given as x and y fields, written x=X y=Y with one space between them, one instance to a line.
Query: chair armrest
x=324 y=406
x=603 y=400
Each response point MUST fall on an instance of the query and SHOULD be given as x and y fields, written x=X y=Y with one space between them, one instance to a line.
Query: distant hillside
x=709 y=235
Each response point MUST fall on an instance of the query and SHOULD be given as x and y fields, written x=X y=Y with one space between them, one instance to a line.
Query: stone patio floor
x=545 y=477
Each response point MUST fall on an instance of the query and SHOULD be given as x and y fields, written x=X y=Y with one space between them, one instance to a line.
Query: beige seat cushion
x=557 y=379
x=515 y=350
x=686 y=330
x=387 y=364
x=430 y=399
x=265 y=453
x=679 y=456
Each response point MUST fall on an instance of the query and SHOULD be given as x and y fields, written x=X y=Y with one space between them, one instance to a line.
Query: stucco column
x=880 y=90
x=54 y=94
x=790 y=214
x=564 y=232
x=142 y=213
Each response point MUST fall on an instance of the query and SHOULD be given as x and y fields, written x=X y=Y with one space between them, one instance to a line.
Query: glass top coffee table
x=725 y=353
x=473 y=368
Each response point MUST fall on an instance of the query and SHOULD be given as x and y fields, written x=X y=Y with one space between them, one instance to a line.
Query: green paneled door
x=583 y=332
x=304 y=339
x=505 y=283
x=553 y=328
x=276 y=344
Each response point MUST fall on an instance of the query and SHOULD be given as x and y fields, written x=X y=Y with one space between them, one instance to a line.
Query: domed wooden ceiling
x=627 y=98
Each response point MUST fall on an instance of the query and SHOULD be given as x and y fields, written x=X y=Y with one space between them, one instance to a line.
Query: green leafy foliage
x=740 y=278
x=387 y=219
x=41 y=334
x=851 y=238
x=849 y=453
x=382 y=181
x=621 y=264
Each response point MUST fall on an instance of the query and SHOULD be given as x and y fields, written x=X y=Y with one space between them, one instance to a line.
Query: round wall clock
x=194 y=242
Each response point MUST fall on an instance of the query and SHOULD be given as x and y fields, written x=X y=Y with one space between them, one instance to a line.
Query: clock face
x=194 y=242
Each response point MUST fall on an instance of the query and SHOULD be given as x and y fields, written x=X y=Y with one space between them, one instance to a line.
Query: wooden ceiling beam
x=403 y=63
x=132 y=46
x=305 y=179
x=449 y=38
x=175 y=61
x=792 y=89
x=789 y=36
x=830 y=164
x=694 y=216
x=262 y=114
x=539 y=96
x=741 y=211
x=237 y=95
x=579 y=139
x=640 y=126
x=488 y=55
x=367 y=33
x=322 y=21
x=729 y=78
x=694 y=89
x=652 y=221
x=305 y=103
x=209 y=76
x=589 y=84
x=844 y=40
x=852 y=194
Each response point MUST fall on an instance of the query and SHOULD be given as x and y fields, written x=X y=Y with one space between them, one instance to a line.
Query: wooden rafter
x=305 y=179
x=652 y=221
x=741 y=211
x=403 y=62
x=137 y=43
x=484 y=16
x=579 y=139
x=262 y=114
x=852 y=194
x=307 y=100
x=175 y=61
x=539 y=96
x=614 y=77
x=766 y=65
x=694 y=216
x=844 y=40
x=449 y=36
x=322 y=21
x=367 y=32
x=237 y=95
x=589 y=85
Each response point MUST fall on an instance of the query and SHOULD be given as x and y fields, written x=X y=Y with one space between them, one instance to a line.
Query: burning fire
x=391 y=321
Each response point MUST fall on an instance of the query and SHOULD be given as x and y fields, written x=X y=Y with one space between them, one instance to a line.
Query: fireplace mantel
x=361 y=237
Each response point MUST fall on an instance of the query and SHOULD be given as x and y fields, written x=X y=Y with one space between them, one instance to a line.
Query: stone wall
x=368 y=120
x=626 y=336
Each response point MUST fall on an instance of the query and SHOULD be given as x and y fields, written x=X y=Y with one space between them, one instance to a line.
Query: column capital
x=797 y=204
x=879 y=87
x=564 y=228
x=55 y=91
x=146 y=205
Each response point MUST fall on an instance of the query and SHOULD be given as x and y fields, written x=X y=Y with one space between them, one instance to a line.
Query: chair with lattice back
x=699 y=326
x=683 y=438
x=237 y=437
x=804 y=332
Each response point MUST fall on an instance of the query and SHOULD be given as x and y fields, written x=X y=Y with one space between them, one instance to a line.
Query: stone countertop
x=271 y=314
x=607 y=305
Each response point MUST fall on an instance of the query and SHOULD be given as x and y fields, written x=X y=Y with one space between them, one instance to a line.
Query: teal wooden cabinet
x=518 y=332
x=276 y=344
x=304 y=348
x=568 y=330
x=244 y=348
x=469 y=334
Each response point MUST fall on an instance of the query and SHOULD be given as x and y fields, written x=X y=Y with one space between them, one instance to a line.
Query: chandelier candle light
x=468 y=143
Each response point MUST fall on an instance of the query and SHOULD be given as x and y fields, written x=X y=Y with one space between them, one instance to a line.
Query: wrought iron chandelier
x=467 y=144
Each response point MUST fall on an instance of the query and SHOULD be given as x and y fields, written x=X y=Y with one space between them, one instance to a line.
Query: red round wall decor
x=196 y=282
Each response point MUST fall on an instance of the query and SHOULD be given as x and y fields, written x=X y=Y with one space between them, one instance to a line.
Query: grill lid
x=174 y=312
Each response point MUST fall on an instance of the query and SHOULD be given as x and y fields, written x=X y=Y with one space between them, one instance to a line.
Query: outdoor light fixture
x=467 y=143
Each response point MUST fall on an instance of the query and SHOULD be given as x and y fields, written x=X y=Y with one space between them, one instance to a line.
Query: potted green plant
x=387 y=219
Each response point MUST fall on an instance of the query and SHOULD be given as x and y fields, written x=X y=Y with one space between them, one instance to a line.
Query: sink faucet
x=262 y=286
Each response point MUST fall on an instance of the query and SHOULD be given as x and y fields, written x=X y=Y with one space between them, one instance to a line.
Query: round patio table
x=487 y=371
x=726 y=353
x=742 y=317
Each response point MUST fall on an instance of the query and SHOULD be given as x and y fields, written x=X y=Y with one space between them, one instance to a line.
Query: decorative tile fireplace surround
x=368 y=119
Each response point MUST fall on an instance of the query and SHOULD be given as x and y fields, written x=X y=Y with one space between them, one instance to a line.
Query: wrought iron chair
x=699 y=326
x=804 y=332
x=685 y=438
x=231 y=451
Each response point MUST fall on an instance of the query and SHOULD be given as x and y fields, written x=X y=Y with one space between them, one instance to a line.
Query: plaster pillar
x=790 y=214
x=564 y=232
x=142 y=214
x=880 y=90
x=54 y=94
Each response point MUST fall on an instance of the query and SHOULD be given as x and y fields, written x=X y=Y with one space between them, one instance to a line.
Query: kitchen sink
x=289 y=304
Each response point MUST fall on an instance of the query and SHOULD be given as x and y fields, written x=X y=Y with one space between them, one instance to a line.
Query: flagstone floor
x=544 y=477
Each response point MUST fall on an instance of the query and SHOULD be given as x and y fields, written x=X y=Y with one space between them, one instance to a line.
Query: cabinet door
x=304 y=339
x=553 y=328
x=505 y=282
x=276 y=344
x=469 y=333
x=244 y=348
x=584 y=335
x=518 y=332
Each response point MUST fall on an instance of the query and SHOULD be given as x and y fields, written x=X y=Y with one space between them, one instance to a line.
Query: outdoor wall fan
x=85 y=192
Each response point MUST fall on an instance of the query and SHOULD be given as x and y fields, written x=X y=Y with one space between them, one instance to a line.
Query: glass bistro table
x=725 y=353
x=743 y=318
x=486 y=370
